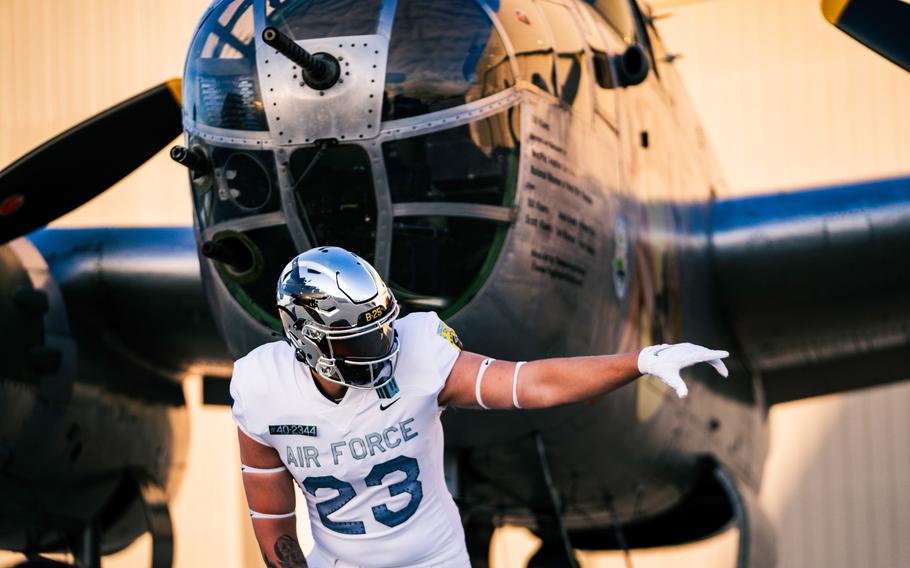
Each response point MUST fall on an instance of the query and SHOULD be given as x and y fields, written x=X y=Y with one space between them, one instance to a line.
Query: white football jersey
x=369 y=466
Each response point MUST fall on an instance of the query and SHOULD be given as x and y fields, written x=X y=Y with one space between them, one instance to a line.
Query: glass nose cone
x=365 y=165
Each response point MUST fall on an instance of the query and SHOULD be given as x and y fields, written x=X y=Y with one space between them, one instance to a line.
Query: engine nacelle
x=82 y=429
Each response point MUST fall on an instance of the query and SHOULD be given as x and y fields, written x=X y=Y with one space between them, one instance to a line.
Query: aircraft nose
x=409 y=158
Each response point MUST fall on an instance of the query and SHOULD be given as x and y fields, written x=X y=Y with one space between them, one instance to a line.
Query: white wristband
x=255 y=515
x=256 y=470
x=483 y=369
x=515 y=384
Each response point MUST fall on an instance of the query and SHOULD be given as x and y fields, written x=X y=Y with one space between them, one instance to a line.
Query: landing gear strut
x=478 y=533
x=88 y=551
x=756 y=536
x=556 y=550
x=158 y=519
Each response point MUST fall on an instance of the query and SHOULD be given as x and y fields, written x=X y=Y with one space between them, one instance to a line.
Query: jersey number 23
x=381 y=513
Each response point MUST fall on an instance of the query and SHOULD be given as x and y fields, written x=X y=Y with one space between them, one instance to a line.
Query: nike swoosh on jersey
x=383 y=407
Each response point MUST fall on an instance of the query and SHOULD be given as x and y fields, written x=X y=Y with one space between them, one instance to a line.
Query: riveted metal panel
x=350 y=110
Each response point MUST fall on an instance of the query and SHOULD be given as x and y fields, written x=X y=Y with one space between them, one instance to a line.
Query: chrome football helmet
x=337 y=313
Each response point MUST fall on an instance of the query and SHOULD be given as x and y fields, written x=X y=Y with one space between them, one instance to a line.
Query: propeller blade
x=79 y=164
x=881 y=25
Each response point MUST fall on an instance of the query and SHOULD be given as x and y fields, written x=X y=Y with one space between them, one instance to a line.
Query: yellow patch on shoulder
x=447 y=332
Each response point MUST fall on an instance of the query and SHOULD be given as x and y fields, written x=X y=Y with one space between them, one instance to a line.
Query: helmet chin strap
x=321 y=388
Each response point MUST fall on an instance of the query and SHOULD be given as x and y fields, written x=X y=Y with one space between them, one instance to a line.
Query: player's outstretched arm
x=270 y=495
x=474 y=382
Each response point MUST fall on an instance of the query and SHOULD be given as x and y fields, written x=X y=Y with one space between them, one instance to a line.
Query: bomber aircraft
x=533 y=171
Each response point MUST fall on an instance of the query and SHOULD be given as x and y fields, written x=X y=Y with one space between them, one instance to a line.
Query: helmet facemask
x=360 y=358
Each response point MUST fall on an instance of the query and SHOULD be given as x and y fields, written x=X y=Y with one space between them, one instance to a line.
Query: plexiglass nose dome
x=410 y=160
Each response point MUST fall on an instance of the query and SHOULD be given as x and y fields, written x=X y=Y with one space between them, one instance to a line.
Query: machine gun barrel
x=320 y=70
x=191 y=158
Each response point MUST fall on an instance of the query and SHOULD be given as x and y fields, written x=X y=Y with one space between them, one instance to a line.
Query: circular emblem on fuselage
x=620 y=258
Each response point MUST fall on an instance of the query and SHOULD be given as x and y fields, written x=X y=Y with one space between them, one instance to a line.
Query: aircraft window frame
x=494 y=139
x=221 y=60
x=217 y=201
x=404 y=65
x=253 y=289
x=605 y=87
x=487 y=254
x=500 y=218
x=503 y=35
x=583 y=57
x=606 y=15
x=532 y=14
x=589 y=16
x=363 y=26
x=240 y=24
x=643 y=37
x=305 y=194
x=227 y=34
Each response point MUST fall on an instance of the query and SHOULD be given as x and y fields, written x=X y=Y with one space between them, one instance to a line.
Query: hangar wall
x=787 y=101
x=60 y=62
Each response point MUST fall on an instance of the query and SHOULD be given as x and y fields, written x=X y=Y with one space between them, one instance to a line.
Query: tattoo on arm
x=287 y=553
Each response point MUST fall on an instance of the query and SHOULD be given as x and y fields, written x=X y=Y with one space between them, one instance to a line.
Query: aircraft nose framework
x=411 y=157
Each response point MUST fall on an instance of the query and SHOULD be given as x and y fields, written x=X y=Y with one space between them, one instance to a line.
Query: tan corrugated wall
x=61 y=61
x=786 y=101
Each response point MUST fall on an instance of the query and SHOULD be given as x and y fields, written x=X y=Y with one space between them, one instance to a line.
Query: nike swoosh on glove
x=665 y=362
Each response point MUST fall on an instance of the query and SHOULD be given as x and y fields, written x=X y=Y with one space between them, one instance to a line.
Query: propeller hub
x=11 y=204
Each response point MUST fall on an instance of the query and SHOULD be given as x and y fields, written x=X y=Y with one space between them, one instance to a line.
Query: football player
x=348 y=407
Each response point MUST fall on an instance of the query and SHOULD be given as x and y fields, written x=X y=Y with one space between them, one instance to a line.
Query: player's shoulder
x=424 y=326
x=255 y=383
x=428 y=350
x=262 y=366
x=417 y=323
x=269 y=354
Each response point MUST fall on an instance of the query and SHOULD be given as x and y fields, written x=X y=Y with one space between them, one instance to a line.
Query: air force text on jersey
x=355 y=447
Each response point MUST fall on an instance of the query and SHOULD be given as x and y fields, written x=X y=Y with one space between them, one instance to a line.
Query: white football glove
x=665 y=361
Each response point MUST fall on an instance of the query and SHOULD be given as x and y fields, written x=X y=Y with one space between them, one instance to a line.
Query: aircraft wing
x=815 y=285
